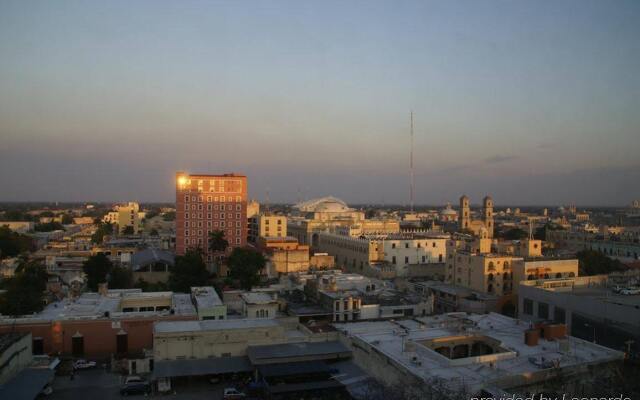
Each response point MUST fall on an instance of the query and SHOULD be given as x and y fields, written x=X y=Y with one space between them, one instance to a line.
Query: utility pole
x=411 y=165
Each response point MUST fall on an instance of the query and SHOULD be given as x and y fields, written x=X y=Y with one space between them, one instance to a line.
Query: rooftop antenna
x=411 y=165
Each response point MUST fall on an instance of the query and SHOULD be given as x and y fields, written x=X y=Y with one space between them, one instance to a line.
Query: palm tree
x=217 y=243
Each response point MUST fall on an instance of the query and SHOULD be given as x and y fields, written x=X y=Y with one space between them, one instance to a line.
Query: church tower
x=464 y=217
x=488 y=215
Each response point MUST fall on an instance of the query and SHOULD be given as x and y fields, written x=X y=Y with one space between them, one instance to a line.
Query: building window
x=122 y=343
x=527 y=306
x=406 y=260
x=393 y=259
x=559 y=315
x=543 y=310
x=406 y=245
x=37 y=346
x=393 y=245
x=77 y=345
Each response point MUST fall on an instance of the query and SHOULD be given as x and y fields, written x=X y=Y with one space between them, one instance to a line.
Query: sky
x=535 y=102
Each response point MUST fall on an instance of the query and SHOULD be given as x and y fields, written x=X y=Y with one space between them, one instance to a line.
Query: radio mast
x=411 y=188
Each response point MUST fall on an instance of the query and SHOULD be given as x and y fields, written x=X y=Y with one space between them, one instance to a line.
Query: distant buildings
x=128 y=215
x=206 y=203
x=328 y=213
x=19 y=226
x=385 y=255
x=267 y=226
x=483 y=227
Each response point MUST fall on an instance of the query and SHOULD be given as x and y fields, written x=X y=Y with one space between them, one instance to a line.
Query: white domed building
x=330 y=214
x=327 y=209
x=448 y=214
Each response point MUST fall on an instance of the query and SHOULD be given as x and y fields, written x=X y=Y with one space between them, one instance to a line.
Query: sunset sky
x=535 y=102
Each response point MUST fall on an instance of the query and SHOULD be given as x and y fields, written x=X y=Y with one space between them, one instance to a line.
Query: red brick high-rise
x=206 y=203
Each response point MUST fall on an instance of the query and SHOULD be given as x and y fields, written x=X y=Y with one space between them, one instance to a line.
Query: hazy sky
x=535 y=102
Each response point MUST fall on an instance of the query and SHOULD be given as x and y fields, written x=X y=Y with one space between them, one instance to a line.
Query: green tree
x=150 y=287
x=25 y=290
x=67 y=219
x=103 y=229
x=97 y=268
x=218 y=243
x=13 y=243
x=127 y=230
x=120 y=278
x=49 y=227
x=514 y=234
x=169 y=216
x=245 y=266
x=188 y=270
x=592 y=262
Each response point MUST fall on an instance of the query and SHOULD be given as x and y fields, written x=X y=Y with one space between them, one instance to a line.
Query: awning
x=206 y=366
x=295 y=352
x=27 y=384
x=303 y=387
x=288 y=369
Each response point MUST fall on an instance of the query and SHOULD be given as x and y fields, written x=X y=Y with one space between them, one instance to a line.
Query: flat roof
x=257 y=298
x=212 y=325
x=94 y=305
x=390 y=339
x=206 y=296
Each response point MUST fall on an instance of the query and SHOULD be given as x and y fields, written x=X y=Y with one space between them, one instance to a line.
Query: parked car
x=233 y=393
x=135 y=388
x=630 y=291
x=84 y=364
x=133 y=379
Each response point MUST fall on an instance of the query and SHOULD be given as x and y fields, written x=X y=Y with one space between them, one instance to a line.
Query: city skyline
x=533 y=103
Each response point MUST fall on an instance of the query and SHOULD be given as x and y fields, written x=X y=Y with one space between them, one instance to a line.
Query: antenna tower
x=411 y=189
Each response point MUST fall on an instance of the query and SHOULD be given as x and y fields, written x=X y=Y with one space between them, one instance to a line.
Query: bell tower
x=464 y=216
x=487 y=204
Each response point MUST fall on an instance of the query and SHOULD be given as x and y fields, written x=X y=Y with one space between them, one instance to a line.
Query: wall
x=99 y=334
x=15 y=358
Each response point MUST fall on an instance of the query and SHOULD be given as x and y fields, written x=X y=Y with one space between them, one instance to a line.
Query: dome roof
x=448 y=210
x=324 y=204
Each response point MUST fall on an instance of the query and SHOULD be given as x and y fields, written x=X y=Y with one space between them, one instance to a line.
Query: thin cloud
x=499 y=159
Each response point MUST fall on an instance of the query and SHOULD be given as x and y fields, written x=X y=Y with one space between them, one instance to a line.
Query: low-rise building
x=465 y=354
x=113 y=322
x=592 y=307
x=259 y=305
x=151 y=265
x=208 y=303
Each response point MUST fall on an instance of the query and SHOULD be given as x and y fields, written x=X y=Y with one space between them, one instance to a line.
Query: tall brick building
x=206 y=203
